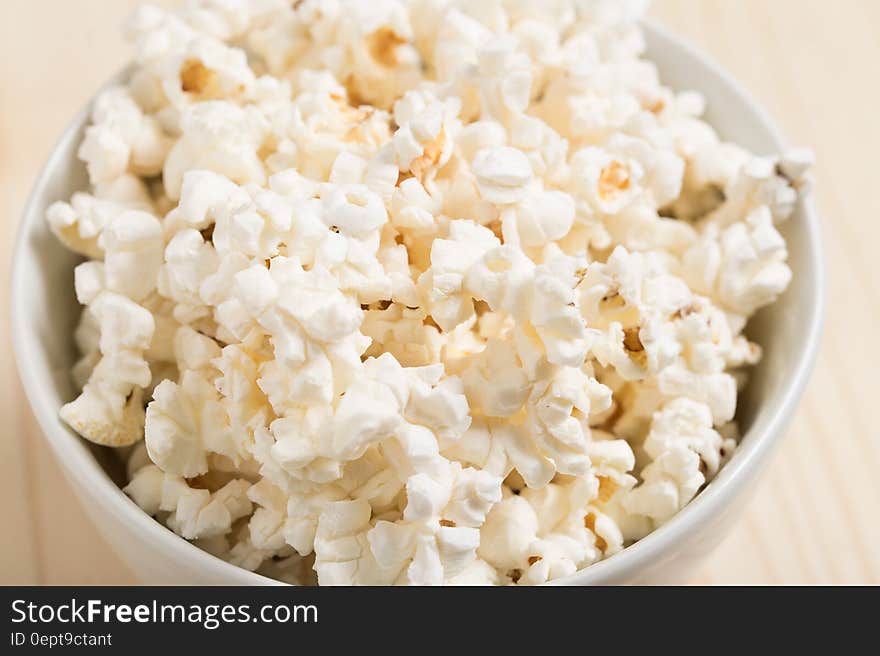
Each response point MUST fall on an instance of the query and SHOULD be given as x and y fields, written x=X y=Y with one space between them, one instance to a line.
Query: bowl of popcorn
x=416 y=292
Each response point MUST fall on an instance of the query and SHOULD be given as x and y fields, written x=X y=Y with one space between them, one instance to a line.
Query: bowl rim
x=80 y=465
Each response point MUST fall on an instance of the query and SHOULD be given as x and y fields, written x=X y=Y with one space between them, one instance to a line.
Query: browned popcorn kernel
x=432 y=153
x=382 y=45
x=196 y=78
x=607 y=488
x=613 y=180
x=590 y=523
x=631 y=340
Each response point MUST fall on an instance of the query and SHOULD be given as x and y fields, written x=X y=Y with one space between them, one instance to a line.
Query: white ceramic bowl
x=44 y=312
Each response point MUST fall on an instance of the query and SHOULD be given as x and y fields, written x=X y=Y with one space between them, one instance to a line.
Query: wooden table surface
x=815 y=518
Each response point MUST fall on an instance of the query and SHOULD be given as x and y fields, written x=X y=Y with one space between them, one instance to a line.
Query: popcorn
x=685 y=422
x=508 y=532
x=742 y=266
x=313 y=331
x=765 y=182
x=340 y=543
x=354 y=210
x=541 y=218
x=495 y=383
x=223 y=19
x=217 y=136
x=415 y=292
x=505 y=80
x=502 y=174
x=188 y=263
x=557 y=528
x=206 y=70
x=685 y=452
x=122 y=139
x=632 y=298
x=554 y=414
x=421 y=550
x=669 y=482
x=181 y=421
x=607 y=184
x=194 y=513
x=451 y=258
x=109 y=410
x=80 y=223
x=426 y=134
x=133 y=248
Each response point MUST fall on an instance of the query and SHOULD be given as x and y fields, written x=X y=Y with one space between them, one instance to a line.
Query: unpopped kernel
x=415 y=291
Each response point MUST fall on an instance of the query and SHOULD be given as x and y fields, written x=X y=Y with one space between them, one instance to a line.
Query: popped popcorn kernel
x=196 y=78
x=613 y=180
x=382 y=45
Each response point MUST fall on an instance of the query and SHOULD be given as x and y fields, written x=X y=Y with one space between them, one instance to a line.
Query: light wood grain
x=815 y=518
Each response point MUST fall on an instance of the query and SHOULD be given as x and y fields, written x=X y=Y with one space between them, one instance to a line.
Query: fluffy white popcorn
x=436 y=540
x=685 y=422
x=686 y=451
x=630 y=301
x=223 y=19
x=607 y=184
x=768 y=182
x=122 y=139
x=509 y=531
x=412 y=208
x=668 y=483
x=415 y=292
x=742 y=266
x=403 y=333
x=426 y=132
x=80 y=223
x=540 y=218
x=543 y=533
x=312 y=325
x=538 y=426
x=341 y=544
x=217 y=136
x=183 y=423
x=109 y=410
x=133 y=246
x=502 y=174
x=192 y=512
x=451 y=258
x=188 y=262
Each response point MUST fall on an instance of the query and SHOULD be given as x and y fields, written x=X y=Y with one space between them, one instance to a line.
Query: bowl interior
x=45 y=310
